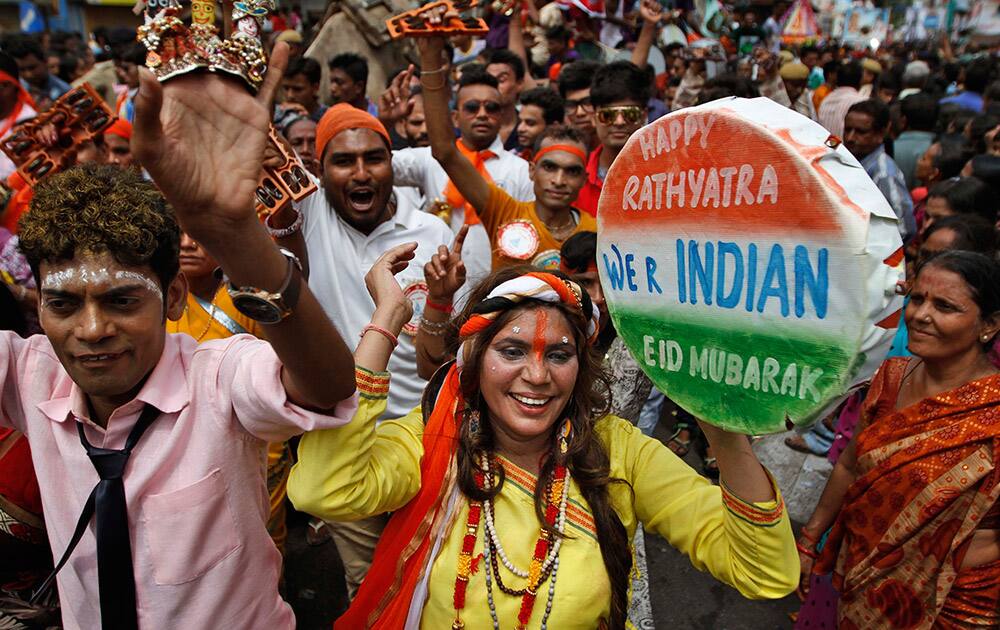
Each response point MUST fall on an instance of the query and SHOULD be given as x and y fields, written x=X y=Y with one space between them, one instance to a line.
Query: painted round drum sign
x=749 y=263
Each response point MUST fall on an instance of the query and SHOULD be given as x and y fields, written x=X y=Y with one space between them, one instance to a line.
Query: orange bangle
x=382 y=331
x=805 y=534
x=437 y=306
x=809 y=553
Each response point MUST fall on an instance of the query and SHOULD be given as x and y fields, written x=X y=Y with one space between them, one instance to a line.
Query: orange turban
x=121 y=128
x=342 y=117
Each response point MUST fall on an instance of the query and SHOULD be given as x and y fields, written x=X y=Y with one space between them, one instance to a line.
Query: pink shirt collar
x=163 y=390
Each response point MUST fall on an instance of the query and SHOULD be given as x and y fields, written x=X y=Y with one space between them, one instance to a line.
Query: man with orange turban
x=347 y=225
x=118 y=139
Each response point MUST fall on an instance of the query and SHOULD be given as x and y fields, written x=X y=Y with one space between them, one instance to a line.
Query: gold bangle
x=433 y=88
x=425 y=72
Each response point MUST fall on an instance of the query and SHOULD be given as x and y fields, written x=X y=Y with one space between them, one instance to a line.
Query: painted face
x=558 y=176
x=357 y=178
x=528 y=374
x=510 y=87
x=943 y=321
x=105 y=321
x=530 y=125
x=195 y=261
x=202 y=12
x=478 y=115
x=119 y=151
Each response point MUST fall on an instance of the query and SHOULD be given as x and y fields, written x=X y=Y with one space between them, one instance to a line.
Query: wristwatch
x=267 y=307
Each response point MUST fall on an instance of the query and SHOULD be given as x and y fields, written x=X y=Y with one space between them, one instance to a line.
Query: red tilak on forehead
x=541 y=323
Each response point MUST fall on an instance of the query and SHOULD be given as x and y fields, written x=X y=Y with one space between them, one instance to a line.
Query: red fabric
x=18 y=483
x=342 y=117
x=590 y=194
x=18 y=204
x=121 y=128
x=568 y=148
x=384 y=597
x=23 y=98
x=927 y=476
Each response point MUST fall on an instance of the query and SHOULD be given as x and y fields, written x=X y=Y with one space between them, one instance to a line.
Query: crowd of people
x=432 y=323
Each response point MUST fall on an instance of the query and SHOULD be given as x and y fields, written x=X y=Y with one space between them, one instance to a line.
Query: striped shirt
x=833 y=109
x=889 y=179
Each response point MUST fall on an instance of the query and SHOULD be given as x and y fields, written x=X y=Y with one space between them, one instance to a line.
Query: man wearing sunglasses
x=574 y=86
x=477 y=117
x=519 y=231
x=619 y=94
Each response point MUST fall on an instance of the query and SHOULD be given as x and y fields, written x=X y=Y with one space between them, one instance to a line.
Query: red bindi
x=541 y=323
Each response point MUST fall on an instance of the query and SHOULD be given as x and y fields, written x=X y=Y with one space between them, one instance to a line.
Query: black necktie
x=114 y=551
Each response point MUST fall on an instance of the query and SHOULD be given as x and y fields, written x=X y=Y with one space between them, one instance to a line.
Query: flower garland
x=544 y=561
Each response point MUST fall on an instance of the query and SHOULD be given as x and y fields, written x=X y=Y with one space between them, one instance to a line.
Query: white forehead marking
x=516 y=329
x=149 y=283
x=85 y=273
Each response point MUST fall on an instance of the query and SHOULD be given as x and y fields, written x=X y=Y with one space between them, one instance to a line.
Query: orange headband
x=342 y=117
x=568 y=148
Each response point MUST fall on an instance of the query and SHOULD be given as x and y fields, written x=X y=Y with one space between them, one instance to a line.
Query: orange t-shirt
x=518 y=236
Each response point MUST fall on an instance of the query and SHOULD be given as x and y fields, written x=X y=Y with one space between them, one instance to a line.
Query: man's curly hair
x=100 y=208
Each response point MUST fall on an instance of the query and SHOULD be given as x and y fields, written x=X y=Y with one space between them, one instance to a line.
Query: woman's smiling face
x=528 y=373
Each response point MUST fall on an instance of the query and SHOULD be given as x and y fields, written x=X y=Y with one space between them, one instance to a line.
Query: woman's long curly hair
x=586 y=458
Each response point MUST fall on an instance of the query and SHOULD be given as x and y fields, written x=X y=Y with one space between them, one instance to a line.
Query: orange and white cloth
x=451 y=194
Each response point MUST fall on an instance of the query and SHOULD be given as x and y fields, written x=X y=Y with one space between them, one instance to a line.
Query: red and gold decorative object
x=412 y=24
x=285 y=183
x=78 y=116
x=175 y=48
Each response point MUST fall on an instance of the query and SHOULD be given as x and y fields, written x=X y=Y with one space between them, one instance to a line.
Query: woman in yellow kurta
x=473 y=541
x=210 y=314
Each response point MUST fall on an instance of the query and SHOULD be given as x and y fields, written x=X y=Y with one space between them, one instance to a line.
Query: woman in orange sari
x=916 y=541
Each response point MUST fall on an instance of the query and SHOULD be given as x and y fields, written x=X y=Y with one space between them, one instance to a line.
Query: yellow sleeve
x=359 y=470
x=746 y=545
x=500 y=209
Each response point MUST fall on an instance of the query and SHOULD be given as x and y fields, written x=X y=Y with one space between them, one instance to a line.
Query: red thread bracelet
x=805 y=534
x=809 y=553
x=437 y=306
x=382 y=331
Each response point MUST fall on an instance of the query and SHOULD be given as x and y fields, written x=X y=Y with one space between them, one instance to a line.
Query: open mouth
x=532 y=403
x=362 y=199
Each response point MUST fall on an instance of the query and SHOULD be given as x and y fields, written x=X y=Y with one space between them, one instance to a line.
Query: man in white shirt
x=478 y=119
x=352 y=220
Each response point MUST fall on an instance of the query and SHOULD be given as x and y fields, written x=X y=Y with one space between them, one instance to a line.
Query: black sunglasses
x=472 y=107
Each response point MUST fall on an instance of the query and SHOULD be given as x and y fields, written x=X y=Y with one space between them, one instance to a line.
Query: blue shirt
x=890 y=182
x=907 y=150
x=967 y=100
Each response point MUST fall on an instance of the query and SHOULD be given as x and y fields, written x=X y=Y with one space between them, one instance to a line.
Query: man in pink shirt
x=182 y=508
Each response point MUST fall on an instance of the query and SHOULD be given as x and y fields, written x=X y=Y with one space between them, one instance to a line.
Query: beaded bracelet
x=382 y=331
x=432 y=333
x=441 y=307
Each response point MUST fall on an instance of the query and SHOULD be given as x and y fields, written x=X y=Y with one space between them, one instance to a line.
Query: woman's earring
x=473 y=415
x=564 y=434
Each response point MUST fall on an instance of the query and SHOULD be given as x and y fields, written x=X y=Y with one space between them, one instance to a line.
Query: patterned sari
x=927 y=475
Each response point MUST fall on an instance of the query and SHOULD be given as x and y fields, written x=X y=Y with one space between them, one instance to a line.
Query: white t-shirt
x=417 y=167
x=339 y=258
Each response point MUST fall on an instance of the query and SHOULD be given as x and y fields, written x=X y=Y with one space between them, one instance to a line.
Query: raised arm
x=470 y=183
x=515 y=42
x=445 y=275
x=359 y=470
x=651 y=12
x=202 y=137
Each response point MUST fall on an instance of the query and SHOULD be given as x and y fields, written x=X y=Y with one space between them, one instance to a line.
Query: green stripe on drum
x=743 y=380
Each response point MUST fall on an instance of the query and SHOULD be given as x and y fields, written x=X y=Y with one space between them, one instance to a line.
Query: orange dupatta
x=454 y=198
x=383 y=600
x=927 y=475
